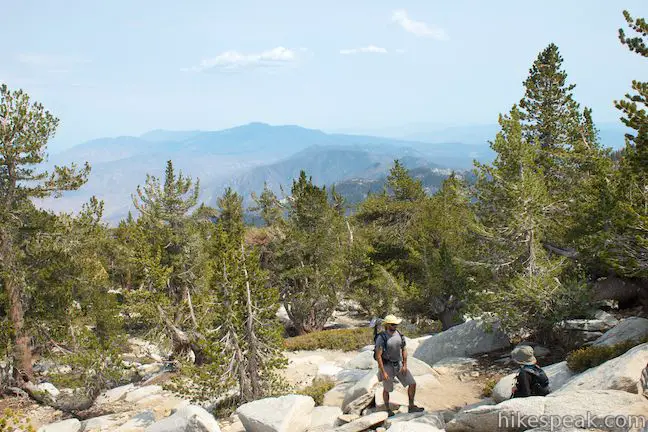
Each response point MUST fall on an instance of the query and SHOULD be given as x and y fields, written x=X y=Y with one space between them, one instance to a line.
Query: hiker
x=531 y=379
x=391 y=354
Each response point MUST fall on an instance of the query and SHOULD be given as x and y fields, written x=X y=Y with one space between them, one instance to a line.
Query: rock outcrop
x=290 y=413
x=581 y=405
x=470 y=338
x=633 y=328
x=620 y=373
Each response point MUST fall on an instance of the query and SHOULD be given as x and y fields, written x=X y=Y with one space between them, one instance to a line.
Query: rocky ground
x=452 y=369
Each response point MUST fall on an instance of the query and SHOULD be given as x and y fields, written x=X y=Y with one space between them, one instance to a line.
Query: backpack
x=539 y=380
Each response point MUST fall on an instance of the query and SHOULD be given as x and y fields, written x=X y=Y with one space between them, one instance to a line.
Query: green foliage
x=489 y=385
x=11 y=420
x=268 y=206
x=309 y=261
x=94 y=366
x=318 y=389
x=337 y=339
x=517 y=212
x=382 y=247
x=548 y=108
x=402 y=186
x=594 y=355
x=237 y=333
x=25 y=128
x=440 y=242
x=623 y=246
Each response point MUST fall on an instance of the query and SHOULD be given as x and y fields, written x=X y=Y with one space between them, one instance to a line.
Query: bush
x=318 y=389
x=489 y=385
x=594 y=355
x=339 y=339
x=11 y=420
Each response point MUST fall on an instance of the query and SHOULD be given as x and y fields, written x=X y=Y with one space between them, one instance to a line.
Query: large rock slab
x=633 y=328
x=361 y=391
x=558 y=374
x=328 y=370
x=324 y=418
x=335 y=396
x=190 y=418
x=620 y=373
x=433 y=419
x=114 y=394
x=516 y=414
x=290 y=413
x=350 y=375
x=464 y=340
x=413 y=427
x=365 y=361
x=138 y=422
x=364 y=423
x=107 y=422
x=71 y=425
x=454 y=365
x=142 y=392
x=642 y=387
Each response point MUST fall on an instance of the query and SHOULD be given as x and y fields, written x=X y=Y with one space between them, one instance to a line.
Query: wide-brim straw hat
x=391 y=319
x=523 y=355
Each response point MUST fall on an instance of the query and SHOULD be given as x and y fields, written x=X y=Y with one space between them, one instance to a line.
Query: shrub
x=594 y=355
x=339 y=339
x=489 y=385
x=11 y=420
x=318 y=389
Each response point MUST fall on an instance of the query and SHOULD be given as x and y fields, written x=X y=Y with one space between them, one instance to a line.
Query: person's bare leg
x=411 y=392
x=386 y=399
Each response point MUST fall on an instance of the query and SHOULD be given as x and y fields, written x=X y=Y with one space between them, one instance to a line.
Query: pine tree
x=402 y=185
x=268 y=206
x=385 y=221
x=25 y=128
x=548 y=109
x=625 y=245
x=439 y=241
x=243 y=338
x=514 y=207
x=171 y=256
x=309 y=260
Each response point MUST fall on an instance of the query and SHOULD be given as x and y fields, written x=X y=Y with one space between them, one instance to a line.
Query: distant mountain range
x=246 y=157
x=610 y=134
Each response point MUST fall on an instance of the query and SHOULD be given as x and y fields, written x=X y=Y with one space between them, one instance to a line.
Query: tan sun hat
x=391 y=319
x=523 y=355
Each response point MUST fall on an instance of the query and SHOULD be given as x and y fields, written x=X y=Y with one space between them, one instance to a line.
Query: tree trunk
x=22 y=355
x=253 y=348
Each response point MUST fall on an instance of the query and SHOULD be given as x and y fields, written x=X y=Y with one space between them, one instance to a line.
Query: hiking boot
x=415 y=409
x=390 y=413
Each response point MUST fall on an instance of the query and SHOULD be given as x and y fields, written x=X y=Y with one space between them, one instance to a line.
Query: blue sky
x=125 y=67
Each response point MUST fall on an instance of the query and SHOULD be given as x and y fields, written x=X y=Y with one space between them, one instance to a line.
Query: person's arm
x=404 y=368
x=381 y=366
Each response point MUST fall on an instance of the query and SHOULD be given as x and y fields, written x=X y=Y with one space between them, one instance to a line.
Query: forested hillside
x=524 y=237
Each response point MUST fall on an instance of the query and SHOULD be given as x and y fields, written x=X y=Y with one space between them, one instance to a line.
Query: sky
x=126 y=67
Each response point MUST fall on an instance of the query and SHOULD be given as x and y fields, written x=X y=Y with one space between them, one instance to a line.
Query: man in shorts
x=391 y=355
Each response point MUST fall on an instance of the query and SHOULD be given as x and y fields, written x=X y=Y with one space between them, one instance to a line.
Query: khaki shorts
x=394 y=371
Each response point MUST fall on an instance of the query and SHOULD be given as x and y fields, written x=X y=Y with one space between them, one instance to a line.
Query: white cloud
x=229 y=60
x=418 y=28
x=368 y=49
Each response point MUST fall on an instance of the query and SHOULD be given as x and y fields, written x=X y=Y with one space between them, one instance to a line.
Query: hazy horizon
x=124 y=68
